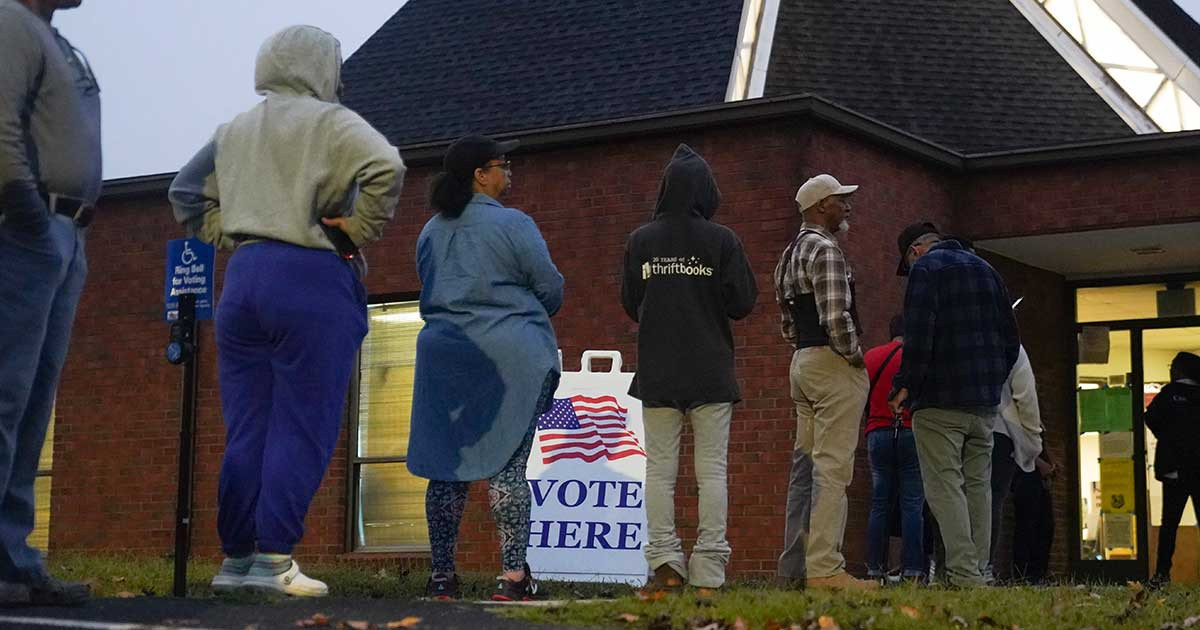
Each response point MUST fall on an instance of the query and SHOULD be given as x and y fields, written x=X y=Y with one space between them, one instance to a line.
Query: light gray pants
x=955 y=449
x=664 y=425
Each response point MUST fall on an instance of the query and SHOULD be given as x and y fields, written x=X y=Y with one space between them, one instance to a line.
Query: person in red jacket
x=895 y=470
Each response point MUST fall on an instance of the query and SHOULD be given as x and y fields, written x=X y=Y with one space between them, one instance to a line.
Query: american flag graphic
x=582 y=427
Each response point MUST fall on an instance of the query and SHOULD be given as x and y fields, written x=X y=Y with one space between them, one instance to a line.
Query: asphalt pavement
x=166 y=613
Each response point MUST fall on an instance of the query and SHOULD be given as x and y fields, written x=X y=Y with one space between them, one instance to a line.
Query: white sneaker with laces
x=290 y=582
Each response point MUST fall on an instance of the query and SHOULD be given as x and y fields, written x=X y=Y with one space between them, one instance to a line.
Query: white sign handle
x=589 y=355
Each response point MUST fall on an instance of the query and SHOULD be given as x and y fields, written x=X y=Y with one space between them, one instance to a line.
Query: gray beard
x=843 y=227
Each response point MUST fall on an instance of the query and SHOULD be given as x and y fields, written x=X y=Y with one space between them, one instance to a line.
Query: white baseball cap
x=818 y=188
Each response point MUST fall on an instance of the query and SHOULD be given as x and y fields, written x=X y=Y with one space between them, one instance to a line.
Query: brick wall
x=1083 y=196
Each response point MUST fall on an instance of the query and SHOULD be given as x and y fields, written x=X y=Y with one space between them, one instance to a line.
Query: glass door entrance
x=1127 y=336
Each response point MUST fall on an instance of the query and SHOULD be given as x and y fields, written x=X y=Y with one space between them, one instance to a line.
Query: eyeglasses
x=505 y=166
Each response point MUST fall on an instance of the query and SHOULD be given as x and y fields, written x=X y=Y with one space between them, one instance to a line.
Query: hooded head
x=300 y=60
x=687 y=186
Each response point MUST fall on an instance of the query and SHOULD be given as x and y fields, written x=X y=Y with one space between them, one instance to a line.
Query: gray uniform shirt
x=49 y=114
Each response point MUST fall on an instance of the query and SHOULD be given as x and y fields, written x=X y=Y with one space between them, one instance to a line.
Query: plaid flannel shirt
x=818 y=266
x=960 y=335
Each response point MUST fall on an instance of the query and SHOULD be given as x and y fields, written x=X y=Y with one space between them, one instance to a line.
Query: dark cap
x=471 y=152
x=906 y=239
x=1186 y=365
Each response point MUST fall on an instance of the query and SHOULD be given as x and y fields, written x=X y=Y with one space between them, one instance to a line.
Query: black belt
x=80 y=211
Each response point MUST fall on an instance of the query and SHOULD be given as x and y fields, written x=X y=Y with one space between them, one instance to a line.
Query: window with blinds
x=388 y=506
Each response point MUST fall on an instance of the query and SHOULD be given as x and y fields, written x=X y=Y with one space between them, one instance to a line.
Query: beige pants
x=830 y=395
x=664 y=425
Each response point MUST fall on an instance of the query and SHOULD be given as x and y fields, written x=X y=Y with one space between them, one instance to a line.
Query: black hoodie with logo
x=685 y=277
x=1174 y=418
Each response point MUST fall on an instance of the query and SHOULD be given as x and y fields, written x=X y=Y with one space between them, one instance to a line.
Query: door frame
x=1139 y=568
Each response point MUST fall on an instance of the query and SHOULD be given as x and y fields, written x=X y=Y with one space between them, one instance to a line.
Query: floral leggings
x=508 y=493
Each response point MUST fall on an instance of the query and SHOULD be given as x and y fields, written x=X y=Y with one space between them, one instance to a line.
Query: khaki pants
x=664 y=425
x=955 y=449
x=830 y=395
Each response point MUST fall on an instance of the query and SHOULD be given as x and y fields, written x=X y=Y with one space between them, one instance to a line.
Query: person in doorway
x=895 y=469
x=49 y=183
x=1174 y=419
x=1033 y=521
x=815 y=290
x=293 y=311
x=684 y=278
x=960 y=345
x=487 y=358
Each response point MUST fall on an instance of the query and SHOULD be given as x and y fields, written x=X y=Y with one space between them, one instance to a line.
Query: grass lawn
x=749 y=606
x=744 y=605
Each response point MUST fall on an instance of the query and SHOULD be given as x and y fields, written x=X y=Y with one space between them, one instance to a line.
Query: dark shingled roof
x=1175 y=23
x=972 y=75
x=441 y=68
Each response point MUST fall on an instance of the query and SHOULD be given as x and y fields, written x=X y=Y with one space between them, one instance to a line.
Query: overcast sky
x=170 y=71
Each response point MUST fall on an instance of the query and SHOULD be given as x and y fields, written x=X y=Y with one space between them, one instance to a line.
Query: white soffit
x=1144 y=250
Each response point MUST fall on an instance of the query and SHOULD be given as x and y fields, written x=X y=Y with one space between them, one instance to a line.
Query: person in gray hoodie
x=297 y=184
x=49 y=181
x=685 y=277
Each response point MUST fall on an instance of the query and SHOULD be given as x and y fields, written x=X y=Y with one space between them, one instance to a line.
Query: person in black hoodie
x=685 y=277
x=1174 y=418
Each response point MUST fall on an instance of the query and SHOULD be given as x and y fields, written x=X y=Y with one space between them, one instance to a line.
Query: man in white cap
x=815 y=290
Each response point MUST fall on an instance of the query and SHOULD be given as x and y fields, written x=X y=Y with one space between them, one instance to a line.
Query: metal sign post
x=187 y=298
x=182 y=349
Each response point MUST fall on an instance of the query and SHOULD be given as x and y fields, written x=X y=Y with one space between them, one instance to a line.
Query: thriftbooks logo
x=675 y=266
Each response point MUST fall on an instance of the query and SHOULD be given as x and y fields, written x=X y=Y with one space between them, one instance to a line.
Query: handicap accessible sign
x=189 y=270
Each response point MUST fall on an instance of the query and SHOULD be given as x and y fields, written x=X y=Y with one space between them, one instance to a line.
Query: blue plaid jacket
x=960 y=335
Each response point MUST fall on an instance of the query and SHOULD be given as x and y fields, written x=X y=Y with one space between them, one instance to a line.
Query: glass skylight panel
x=1140 y=85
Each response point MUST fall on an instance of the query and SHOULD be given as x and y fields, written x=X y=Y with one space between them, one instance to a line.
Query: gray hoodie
x=275 y=170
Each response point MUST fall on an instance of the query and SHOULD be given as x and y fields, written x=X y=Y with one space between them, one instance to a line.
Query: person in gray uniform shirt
x=49 y=182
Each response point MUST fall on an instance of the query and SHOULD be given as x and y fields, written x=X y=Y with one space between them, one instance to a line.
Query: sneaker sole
x=291 y=589
x=226 y=584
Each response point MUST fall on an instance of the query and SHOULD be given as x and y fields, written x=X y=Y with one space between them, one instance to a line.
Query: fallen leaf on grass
x=825 y=622
x=407 y=622
x=126 y=595
x=651 y=596
x=1191 y=621
x=315 y=621
x=117 y=578
x=627 y=617
x=910 y=612
x=985 y=620
x=740 y=624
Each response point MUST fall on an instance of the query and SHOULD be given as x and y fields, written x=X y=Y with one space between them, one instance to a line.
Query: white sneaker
x=290 y=582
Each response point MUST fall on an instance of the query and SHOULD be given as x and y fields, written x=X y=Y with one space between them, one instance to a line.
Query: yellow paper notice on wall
x=1116 y=485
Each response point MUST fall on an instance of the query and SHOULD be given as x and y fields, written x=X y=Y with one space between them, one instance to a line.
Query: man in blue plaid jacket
x=960 y=343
